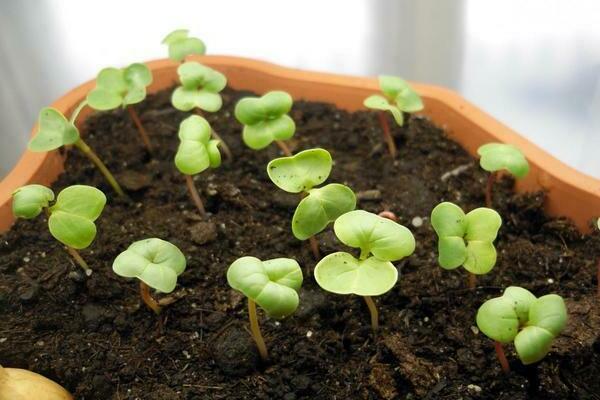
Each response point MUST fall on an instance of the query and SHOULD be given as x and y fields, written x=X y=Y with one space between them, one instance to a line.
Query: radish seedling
x=398 y=98
x=466 y=240
x=70 y=219
x=199 y=90
x=182 y=45
x=380 y=241
x=265 y=120
x=122 y=87
x=196 y=153
x=272 y=284
x=499 y=156
x=156 y=263
x=532 y=323
x=54 y=131
x=319 y=206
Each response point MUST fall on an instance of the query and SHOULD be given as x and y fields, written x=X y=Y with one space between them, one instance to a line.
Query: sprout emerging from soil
x=182 y=45
x=319 y=206
x=70 y=219
x=398 y=98
x=196 y=153
x=380 y=241
x=265 y=120
x=200 y=90
x=55 y=131
x=532 y=323
x=156 y=263
x=272 y=284
x=466 y=240
x=21 y=384
x=497 y=157
x=122 y=87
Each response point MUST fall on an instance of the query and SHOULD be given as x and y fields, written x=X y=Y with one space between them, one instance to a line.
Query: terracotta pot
x=570 y=193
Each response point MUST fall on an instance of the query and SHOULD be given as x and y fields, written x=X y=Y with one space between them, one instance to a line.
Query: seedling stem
x=488 y=189
x=195 y=196
x=148 y=299
x=255 y=330
x=374 y=313
x=472 y=281
x=81 y=145
x=216 y=136
x=140 y=128
x=284 y=148
x=387 y=135
x=77 y=257
x=501 y=356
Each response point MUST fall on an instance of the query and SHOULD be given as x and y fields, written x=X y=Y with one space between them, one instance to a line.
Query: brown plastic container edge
x=570 y=193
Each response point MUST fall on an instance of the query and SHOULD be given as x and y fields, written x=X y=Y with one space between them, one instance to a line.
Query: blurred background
x=534 y=65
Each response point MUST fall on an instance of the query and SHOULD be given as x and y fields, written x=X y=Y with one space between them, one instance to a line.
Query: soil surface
x=95 y=337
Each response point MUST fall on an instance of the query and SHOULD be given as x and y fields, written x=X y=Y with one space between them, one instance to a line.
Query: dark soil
x=95 y=337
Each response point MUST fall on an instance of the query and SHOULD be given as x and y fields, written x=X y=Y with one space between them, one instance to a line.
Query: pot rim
x=576 y=189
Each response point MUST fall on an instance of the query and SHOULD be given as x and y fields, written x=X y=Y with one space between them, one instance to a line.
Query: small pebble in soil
x=26 y=259
x=474 y=388
x=235 y=353
x=368 y=195
x=475 y=330
x=309 y=334
x=417 y=222
x=550 y=280
x=203 y=232
x=133 y=181
x=29 y=292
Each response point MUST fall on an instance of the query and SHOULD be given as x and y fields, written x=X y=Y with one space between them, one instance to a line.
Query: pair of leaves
x=200 y=87
x=272 y=284
x=120 y=87
x=499 y=156
x=265 y=119
x=29 y=201
x=398 y=97
x=182 y=45
x=532 y=323
x=478 y=228
x=54 y=131
x=196 y=151
x=369 y=276
x=72 y=216
x=154 y=261
x=321 y=206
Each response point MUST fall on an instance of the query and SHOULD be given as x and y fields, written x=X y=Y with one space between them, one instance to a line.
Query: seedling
x=122 y=87
x=156 y=263
x=380 y=241
x=466 y=240
x=182 y=45
x=55 y=131
x=199 y=90
x=398 y=98
x=21 y=384
x=265 y=120
x=70 y=219
x=319 y=206
x=272 y=284
x=532 y=323
x=196 y=153
x=499 y=156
